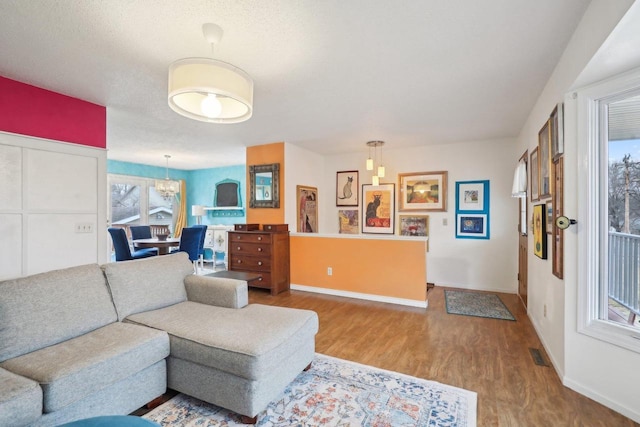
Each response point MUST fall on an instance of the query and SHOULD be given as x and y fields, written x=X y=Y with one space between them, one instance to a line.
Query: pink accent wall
x=29 y=110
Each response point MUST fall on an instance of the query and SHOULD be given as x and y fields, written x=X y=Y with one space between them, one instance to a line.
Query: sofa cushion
x=149 y=283
x=247 y=342
x=48 y=308
x=20 y=400
x=71 y=370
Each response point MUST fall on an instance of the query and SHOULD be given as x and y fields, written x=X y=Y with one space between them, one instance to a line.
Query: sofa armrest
x=217 y=291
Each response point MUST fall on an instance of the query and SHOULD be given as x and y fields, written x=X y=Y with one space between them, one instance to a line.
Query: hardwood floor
x=488 y=356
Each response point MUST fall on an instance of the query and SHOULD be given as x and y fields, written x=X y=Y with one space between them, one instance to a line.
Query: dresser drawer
x=257 y=249
x=246 y=262
x=263 y=282
x=249 y=237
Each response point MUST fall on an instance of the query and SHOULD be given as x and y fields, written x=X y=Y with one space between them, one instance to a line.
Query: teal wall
x=200 y=186
x=201 y=190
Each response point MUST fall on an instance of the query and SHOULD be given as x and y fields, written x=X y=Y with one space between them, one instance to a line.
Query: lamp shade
x=197 y=210
x=194 y=80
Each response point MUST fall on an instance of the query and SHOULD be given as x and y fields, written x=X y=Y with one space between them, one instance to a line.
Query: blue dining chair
x=140 y=232
x=202 y=237
x=190 y=243
x=123 y=251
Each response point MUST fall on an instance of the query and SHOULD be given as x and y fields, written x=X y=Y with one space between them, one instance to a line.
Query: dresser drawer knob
x=259 y=262
x=259 y=249
x=259 y=237
x=260 y=279
x=239 y=261
x=238 y=247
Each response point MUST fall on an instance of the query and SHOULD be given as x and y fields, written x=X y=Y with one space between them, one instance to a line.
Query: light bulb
x=375 y=180
x=211 y=106
x=381 y=171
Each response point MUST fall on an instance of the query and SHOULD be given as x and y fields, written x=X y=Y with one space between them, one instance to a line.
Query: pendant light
x=209 y=90
x=380 y=170
x=166 y=187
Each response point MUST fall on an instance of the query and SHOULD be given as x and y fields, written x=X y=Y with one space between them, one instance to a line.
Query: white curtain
x=520 y=180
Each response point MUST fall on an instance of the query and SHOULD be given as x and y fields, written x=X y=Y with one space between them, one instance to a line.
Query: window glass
x=623 y=211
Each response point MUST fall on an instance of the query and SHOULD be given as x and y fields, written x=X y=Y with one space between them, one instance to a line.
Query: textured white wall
x=466 y=263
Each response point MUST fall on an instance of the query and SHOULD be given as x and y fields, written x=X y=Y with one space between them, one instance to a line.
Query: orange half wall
x=391 y=268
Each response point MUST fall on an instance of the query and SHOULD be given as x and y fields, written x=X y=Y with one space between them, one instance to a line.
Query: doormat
x=477 y=304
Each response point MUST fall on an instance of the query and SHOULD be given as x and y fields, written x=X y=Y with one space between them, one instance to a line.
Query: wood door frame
x=523 y=241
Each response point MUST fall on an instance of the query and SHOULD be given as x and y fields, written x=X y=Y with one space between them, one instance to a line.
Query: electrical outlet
x=329 y=271
x=444 y=221
x=84 y=227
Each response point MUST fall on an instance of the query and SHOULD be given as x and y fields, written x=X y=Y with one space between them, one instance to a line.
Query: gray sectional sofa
x=92 y=340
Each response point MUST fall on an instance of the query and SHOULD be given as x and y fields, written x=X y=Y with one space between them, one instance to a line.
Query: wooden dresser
x=263 y=251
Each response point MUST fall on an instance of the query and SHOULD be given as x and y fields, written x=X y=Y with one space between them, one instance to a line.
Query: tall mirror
x=264 y=186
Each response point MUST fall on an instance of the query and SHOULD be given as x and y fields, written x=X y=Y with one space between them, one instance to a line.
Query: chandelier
x=375 y=179
x=209 y=90
x=166 y=187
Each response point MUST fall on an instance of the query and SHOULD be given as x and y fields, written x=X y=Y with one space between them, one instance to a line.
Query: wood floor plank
x=488 y=356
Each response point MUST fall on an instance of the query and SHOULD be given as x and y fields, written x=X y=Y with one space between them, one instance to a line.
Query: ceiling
x=329 y=75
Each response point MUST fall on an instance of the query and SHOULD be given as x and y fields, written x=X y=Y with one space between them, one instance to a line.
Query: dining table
x=162 y=245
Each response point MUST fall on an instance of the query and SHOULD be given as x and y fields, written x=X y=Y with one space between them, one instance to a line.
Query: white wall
x=466 y=263
x=601 y=371
x=47 y=190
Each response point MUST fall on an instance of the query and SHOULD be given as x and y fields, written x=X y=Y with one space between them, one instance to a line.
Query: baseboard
x=481 y=289
x=358 y=295
x=585 y=391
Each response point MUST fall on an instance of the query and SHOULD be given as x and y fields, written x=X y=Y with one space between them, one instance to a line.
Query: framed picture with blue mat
x=472 y=209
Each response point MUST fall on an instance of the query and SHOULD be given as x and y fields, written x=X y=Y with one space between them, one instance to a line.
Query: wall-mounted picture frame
x=544 y=152
x=348 y=221
x=539 y=231
x=347 y=185
x=378 y=208
x=414 y=226
x=548 y=209
x=472 y=226
x=423 y=191
x=534 y=182
x=472 y=196
x=307 y=205
x=557 y=132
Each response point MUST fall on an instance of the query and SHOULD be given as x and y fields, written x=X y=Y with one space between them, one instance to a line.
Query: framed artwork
x=414 y=225
x=472 y=226
x=549 y=212
x=307 y=202
x=423 y=191
x=534 y=166
x=558 y=234
x=347 y=188
x=557 y=132
x=544 y=161
x=378 y=203
x=472 y=196
x=348 y=221
x=539 y=231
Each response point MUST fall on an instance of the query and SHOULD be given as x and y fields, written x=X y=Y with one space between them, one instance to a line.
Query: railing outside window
x=624 y=270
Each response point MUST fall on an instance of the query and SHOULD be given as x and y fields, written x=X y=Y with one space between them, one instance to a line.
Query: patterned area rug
x=337 y=392
x=476 y=304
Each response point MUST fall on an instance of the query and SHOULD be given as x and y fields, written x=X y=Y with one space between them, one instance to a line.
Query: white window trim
x=592 y=212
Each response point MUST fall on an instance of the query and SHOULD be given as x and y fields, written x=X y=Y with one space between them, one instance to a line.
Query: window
x=134 y=201
x=609 y=189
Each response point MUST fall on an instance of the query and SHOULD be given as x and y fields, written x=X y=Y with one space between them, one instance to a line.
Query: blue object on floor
x=112 y=421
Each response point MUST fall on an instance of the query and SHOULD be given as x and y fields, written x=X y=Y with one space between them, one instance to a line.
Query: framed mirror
x=264 y=186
